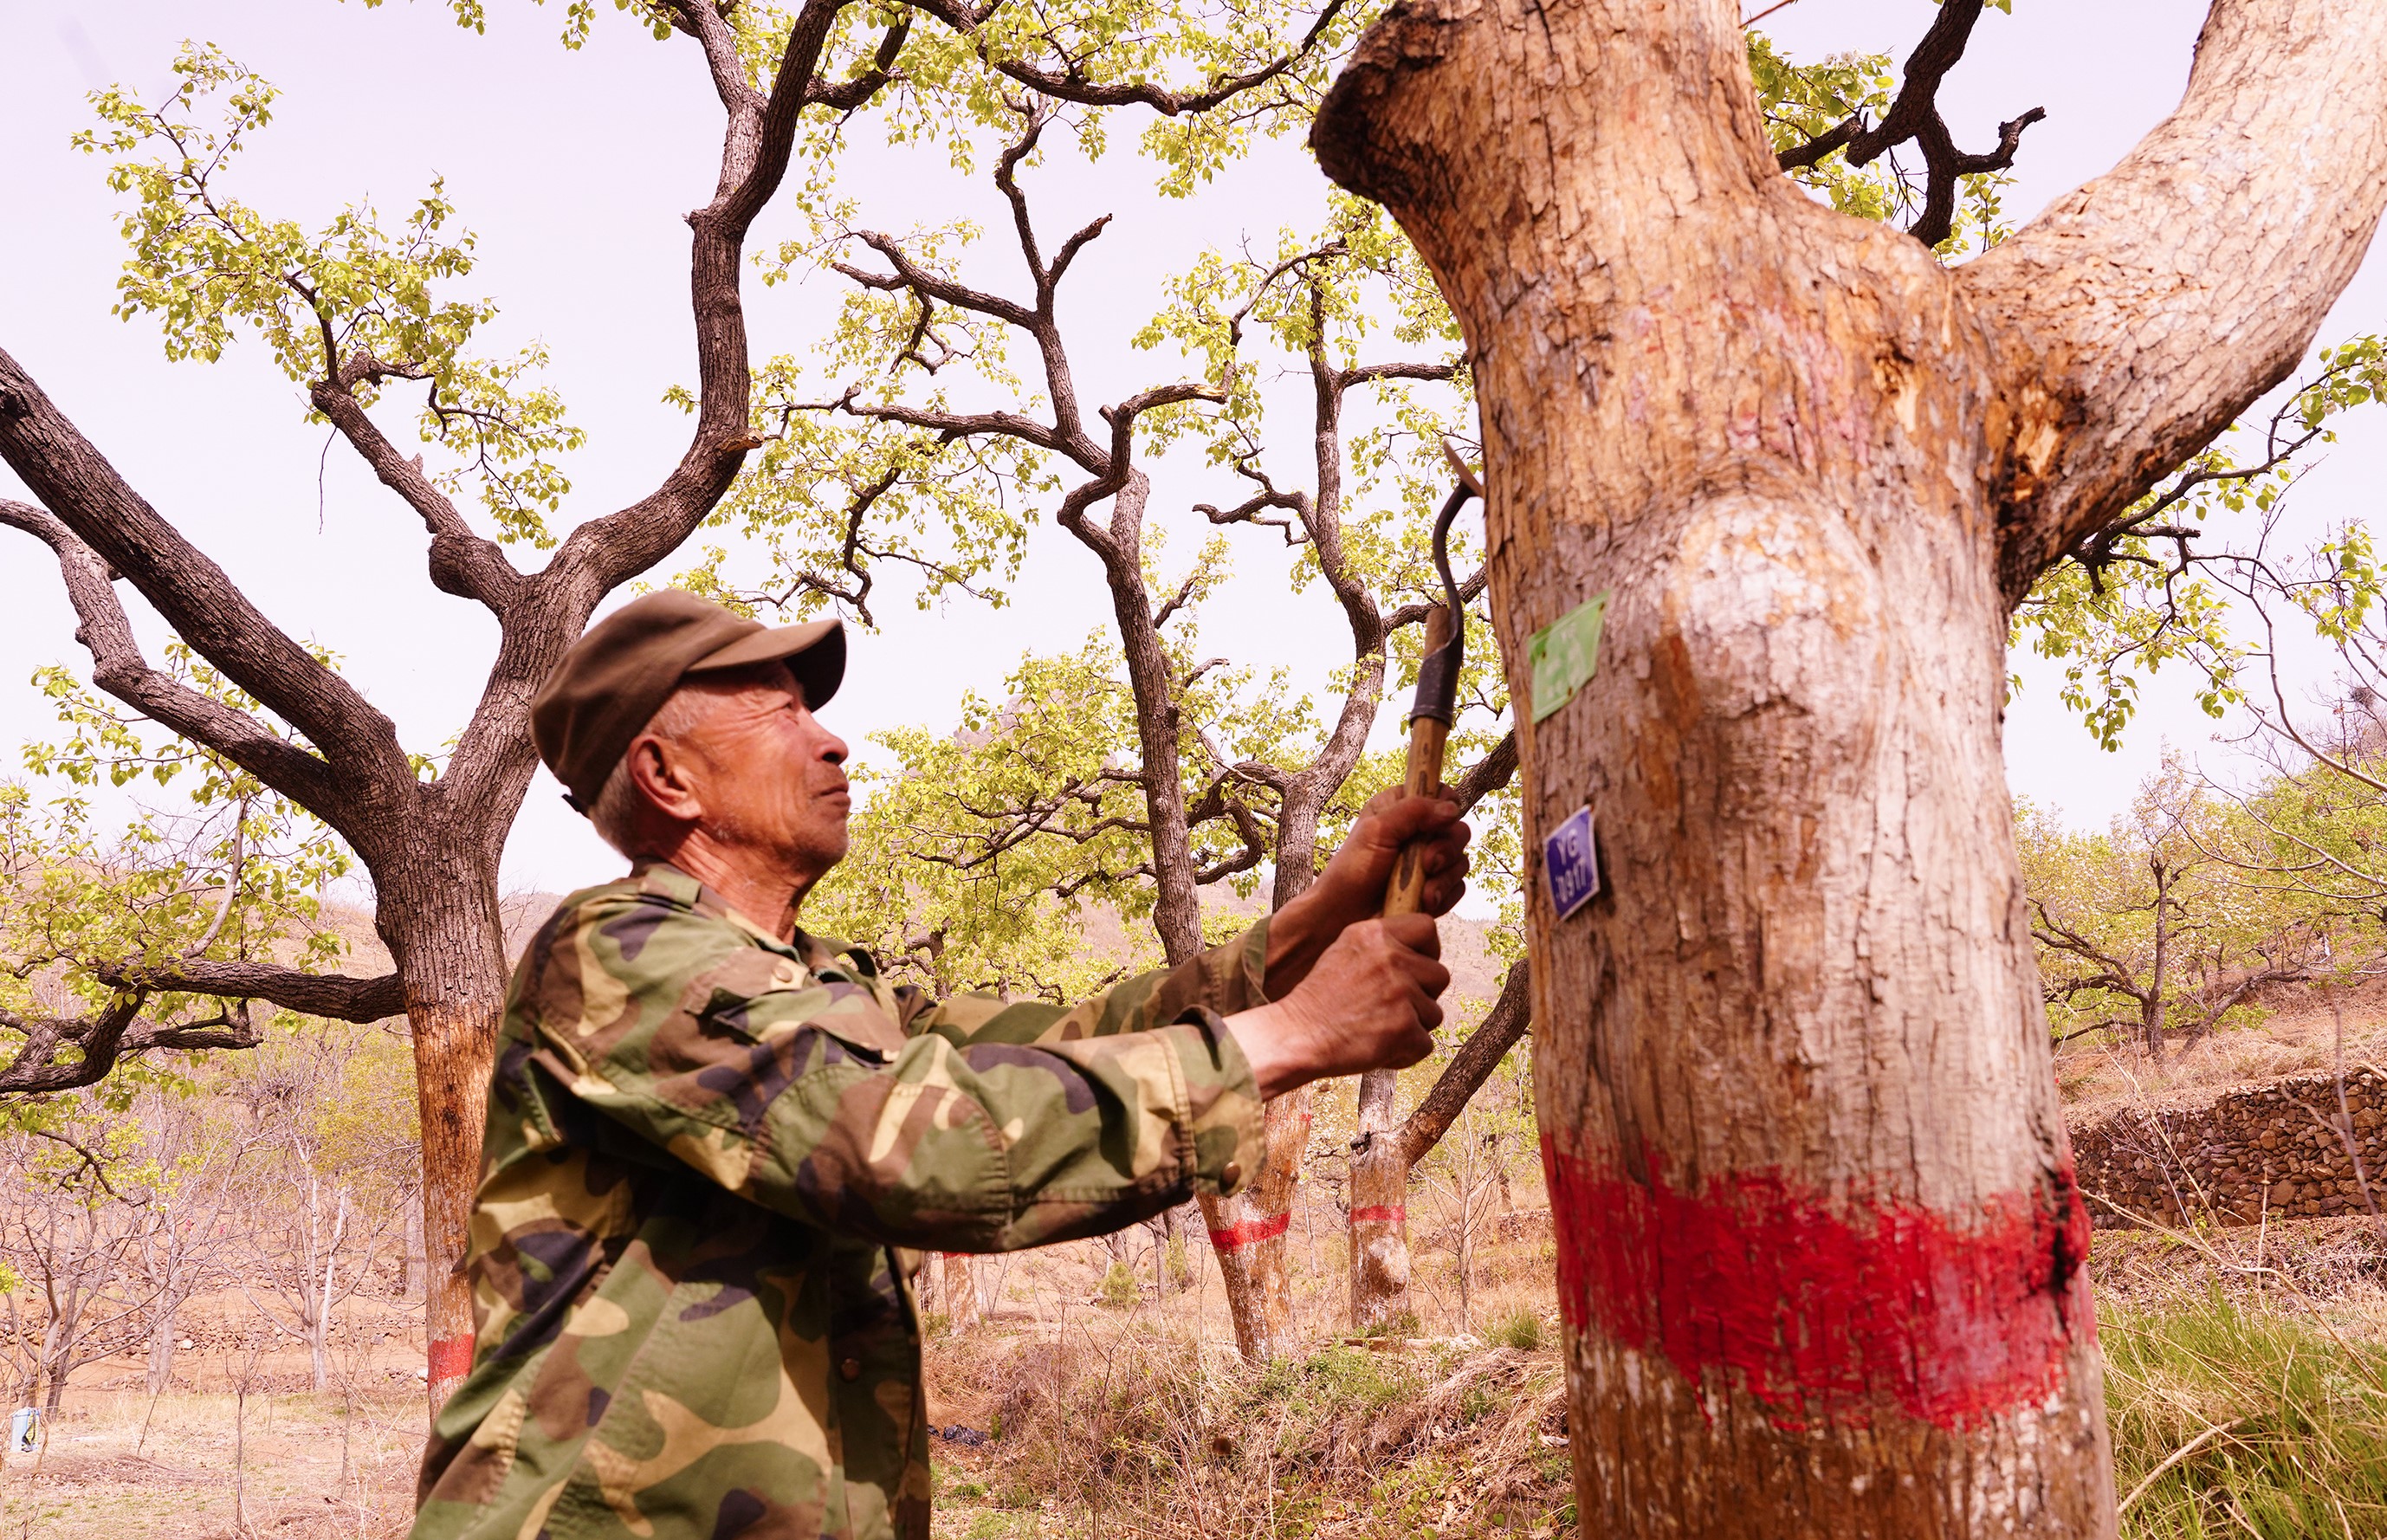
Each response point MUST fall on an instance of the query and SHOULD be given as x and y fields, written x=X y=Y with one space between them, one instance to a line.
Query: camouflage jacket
x=705 y=1148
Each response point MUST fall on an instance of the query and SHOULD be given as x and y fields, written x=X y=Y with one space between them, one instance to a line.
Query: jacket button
x=1230 y=1173
x=850 y=1371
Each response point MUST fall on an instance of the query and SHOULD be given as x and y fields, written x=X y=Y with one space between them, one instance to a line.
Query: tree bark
x=1821 y=1252
x=1378 y=1219
x=1387 y=1152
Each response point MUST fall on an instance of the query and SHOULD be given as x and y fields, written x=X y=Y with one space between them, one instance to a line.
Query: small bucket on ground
x=24 y=1430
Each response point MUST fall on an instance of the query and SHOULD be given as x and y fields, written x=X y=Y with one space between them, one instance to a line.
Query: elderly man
x=711 y=1137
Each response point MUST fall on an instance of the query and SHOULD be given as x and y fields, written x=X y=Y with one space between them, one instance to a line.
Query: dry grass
x=196 y=1466
x=1140 y=1419
x=1121 y=1428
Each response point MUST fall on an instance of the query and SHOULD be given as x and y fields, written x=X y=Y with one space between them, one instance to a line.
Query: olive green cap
x=613 y=679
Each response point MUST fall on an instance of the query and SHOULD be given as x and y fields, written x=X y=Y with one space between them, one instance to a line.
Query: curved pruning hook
x=1437 y=701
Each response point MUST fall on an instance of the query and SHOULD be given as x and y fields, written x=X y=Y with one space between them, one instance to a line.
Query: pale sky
x=575 y=169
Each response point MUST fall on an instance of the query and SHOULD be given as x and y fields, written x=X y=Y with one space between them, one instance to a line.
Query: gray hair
x=616 y=812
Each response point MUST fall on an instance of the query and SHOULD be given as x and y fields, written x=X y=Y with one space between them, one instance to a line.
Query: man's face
x=769 y=775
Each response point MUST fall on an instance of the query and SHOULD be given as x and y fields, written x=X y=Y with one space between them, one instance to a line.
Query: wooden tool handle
x=1405 y=893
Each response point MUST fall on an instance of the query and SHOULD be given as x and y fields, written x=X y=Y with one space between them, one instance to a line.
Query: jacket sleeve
x=1224 y=980
x=805 y=1096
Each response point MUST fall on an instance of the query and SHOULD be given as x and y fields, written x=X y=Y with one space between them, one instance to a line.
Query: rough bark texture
x=1820 y=1245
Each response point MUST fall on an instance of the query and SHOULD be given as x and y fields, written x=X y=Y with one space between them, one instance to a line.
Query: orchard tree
x=1138 y=771
x=88 y=925
x=367 y=315
x=1821 y=1252
x=2146 y=928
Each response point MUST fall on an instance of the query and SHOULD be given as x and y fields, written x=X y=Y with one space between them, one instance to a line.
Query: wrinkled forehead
x=769 y=682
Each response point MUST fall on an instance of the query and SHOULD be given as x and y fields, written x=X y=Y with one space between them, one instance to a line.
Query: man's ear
x=662 y=773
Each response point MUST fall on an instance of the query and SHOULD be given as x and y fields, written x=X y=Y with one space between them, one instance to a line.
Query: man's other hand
x=1369 y=1003
x=1351 y=889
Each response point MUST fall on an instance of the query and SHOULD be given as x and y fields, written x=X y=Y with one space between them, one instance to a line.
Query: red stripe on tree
x=1250 y=1231
x=1380 y=1214
x=451 y=1359
x=1822 y=1309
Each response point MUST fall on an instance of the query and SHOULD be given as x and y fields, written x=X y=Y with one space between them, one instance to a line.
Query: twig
x=2193 y=1445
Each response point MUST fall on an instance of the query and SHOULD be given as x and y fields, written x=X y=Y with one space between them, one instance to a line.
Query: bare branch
x=1072 y=85
x=1914 y=115
x=1508 y=1020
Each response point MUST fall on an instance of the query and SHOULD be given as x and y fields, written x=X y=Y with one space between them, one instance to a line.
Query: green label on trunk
x=1563 y=654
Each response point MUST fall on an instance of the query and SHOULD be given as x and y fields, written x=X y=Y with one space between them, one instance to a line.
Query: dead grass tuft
x=1138 y=1430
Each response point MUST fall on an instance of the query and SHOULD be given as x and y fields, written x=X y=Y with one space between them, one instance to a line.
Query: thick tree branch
x=605 y=552
x=2240 y=218
x=119 y=668
x=463 y=564
x=1494 y=771
x=106 y=1037
x=196 y=596
x=335 y=995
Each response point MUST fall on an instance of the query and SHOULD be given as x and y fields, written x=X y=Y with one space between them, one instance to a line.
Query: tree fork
x=1821 y=1254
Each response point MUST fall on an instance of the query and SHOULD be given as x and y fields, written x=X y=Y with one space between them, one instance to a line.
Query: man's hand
x=1351 y=889
x=1369 y=1003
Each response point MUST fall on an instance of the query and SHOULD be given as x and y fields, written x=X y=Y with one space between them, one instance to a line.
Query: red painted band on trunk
x=1250 y=1231
x=1385 y=1214
x=451 y=1359
x=1822 y=1308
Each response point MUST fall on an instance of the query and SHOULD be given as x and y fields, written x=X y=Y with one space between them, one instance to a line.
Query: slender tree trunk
x=161 y=1349
x=1380 y=1215
x=56 y=1344
x=1177 y=911
x=960 y=1291
x=1250 y=1234
x=1386 y=1152
x=1821 y=1252
x=1379 y=1168
x=319 y=1325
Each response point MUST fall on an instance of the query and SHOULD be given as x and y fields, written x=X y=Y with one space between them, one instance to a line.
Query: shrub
x=1520 y=1329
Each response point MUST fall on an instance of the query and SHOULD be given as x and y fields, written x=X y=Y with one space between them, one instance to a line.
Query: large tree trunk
x=439 y=918
x=1820 y=1248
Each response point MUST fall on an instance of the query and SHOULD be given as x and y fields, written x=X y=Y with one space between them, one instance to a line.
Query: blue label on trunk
x=1570 y=865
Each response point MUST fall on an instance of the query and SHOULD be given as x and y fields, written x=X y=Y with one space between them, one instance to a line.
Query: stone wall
x=2271 y=1149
